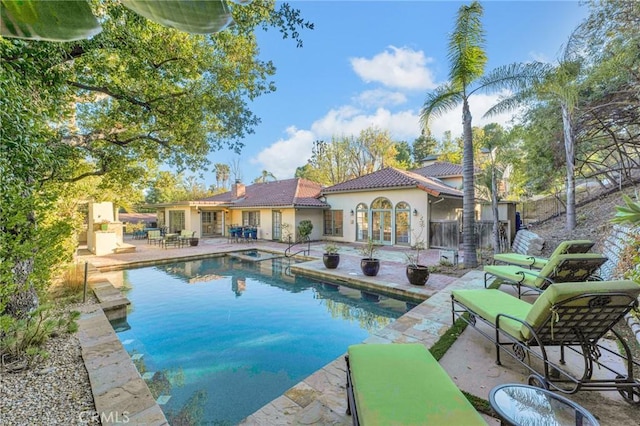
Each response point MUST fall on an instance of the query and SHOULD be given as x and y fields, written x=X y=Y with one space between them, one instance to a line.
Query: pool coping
x=120 y=394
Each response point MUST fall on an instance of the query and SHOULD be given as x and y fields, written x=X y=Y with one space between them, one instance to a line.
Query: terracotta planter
x=417 y=275
x=370 y=267
x=331 y=261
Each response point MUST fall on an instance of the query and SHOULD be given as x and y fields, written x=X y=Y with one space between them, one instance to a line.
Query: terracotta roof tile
x=439 y=169
x=393 y=178
x=289 y=192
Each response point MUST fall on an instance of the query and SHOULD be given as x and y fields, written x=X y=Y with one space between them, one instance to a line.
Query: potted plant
x=417 y=274
x=331 y=258
x=369 y=264
x=104 y=225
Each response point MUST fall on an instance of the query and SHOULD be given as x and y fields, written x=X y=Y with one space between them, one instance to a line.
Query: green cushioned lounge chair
x=559 y=269
x=402 y=384
x=533 y=262
x=573 y=316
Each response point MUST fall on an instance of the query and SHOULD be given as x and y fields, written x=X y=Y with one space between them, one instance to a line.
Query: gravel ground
x=56 y=392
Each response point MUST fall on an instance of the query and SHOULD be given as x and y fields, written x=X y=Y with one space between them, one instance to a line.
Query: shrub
x=22 y=339
x=304 y=229
x=331 y=249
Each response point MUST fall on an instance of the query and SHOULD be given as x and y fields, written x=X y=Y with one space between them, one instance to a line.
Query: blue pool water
x=216 y=339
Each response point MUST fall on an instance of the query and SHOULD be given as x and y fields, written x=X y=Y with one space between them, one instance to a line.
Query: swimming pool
x=218 y=338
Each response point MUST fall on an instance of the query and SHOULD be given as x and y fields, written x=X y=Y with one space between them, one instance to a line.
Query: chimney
x=237 y=189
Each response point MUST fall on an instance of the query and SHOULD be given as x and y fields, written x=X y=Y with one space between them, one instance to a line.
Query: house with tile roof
x=386 y=205
x=267 y=206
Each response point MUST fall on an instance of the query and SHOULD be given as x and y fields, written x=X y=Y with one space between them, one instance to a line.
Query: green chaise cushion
x=521 y=259
x=556 y=293
x=402 y=384
x=488 y=303
x=561 y=268
x=565 y=247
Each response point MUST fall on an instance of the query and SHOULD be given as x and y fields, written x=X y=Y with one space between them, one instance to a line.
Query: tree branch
x=107 y=91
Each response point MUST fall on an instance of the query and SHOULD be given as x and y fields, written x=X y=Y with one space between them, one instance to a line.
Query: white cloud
x=379 y=97
x=402 y=68
x=283 y=156
x=350 y=121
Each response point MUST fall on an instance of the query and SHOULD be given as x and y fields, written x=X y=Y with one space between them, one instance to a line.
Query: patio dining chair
x=533 y=262
x=403 y=384
x=559 y=269
x=154 y=237
x=573 y=316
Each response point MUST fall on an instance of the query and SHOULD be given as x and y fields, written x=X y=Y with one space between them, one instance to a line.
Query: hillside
x=594 y=222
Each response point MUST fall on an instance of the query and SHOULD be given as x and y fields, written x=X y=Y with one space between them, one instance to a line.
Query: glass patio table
x=518 y=404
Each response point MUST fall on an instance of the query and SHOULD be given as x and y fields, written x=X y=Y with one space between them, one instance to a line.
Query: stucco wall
x=415 y=198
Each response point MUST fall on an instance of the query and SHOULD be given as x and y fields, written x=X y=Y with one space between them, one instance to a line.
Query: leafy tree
x=113 y=107
x=403 y=155
x=347 y=157
x=423 y=146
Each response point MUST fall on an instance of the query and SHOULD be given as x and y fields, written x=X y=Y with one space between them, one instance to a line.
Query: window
x=403 y=214
x=251 y=218
x=176 y=220
x=362 y=222
x=333 y=222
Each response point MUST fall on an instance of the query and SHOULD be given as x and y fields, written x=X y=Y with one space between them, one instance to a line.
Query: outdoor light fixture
x=415 y=212
x=351 y=212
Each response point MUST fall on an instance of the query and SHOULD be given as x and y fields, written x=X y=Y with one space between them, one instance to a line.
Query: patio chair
x=402 y=384
x=533 y=262
x=573 y=316
x=185 y=237
x=561 y=268
x=154 y=237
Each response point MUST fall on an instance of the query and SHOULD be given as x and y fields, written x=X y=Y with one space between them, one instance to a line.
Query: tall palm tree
x=467 y=60
x=560 y=85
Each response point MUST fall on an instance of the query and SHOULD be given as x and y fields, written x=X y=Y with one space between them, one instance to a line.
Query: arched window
x=381 y=223
x=362 y=222
x=403 y=224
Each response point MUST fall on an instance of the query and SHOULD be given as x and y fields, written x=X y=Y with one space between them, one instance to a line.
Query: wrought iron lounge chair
x=560 y=269
x=532 y=262
x=573 y=316
x=402 y=384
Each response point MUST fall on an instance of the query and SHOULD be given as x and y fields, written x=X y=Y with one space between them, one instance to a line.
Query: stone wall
x=611 y=248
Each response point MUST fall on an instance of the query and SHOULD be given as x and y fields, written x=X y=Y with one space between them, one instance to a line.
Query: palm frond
x=442 y=99
x=510 y=103
x=514 y=77
x=466 y=46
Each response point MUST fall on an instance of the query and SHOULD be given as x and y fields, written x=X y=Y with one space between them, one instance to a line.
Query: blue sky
x=371 y=63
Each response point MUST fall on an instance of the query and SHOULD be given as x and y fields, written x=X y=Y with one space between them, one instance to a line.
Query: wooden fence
x=445 y=234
